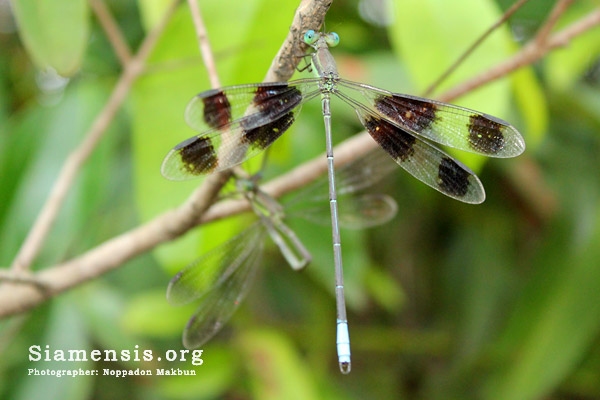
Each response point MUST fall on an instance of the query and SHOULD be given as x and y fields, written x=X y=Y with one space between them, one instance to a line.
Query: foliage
x=448 y=300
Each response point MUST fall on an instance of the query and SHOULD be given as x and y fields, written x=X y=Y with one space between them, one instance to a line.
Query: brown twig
x=173 y=223
x=204 y=44
x=38 y=233
x=113 y=33
x=474 y=46
x=544 y=32
x=16 y=298
x=529 y=54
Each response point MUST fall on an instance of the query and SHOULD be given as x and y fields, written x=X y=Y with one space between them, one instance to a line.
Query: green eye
x=332 y=39
x=310 y=36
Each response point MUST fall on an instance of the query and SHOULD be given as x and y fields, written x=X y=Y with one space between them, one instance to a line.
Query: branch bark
x=43 y=224
x=530 y=53
x=16 y=298
x=168 y=226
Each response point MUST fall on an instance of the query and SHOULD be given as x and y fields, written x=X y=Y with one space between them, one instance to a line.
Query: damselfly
x=222 y=277
x=238 y=122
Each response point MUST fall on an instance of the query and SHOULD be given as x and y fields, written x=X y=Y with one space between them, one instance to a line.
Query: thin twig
x=170 y=225
x=113 y=253
x=113 y=33
x=204 y=44
x=38 y=233
x=544 y=32
x=474 y=46
x=528 y=55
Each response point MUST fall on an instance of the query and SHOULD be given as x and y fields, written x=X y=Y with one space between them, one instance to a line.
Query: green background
x=446 y=301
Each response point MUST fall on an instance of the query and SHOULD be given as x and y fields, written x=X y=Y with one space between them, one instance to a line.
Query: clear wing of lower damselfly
x=212 y=269
x=350 y=177
x=357 y=211
x=220 y=279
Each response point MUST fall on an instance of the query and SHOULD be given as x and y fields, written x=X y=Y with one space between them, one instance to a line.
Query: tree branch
x=513 y=9
x=15 y=298
x=38 y=233
x=113 y=33
x=529 y=54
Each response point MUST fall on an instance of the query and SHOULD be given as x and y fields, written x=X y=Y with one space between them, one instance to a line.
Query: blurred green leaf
x=40 y=140
x=556 y=320
x=152 y=11
x=385 y=290
x=566 y=65
x=149 y=314
x=430 y=35
x=54 y=32
x=219 y=372
x=65 y=331
x=275 y=369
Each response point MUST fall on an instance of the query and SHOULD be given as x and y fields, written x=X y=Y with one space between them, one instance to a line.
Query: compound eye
x=332 y=39
x=310 y=36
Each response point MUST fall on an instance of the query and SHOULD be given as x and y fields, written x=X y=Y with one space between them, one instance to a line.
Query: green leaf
x=430 y=35
x=55 y=33
x=385 y=290
x=276 y=370
x=555 y=323
x=149 y=314
x=152 y=12
x=43 y=138
x=566 y=65
x=243 y=51
x=65 y=331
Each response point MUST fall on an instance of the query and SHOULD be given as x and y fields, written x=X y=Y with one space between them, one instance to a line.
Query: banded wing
x=424 y=161
x=405 y=126
x=447 y=124
x=235 y=124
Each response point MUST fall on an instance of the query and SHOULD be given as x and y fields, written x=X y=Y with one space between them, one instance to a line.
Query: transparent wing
x=235 y=123
x=355 y=211
x=219 y=305
x=351 y=177
x=221 y=293
x=443 y=123
x=214 y=267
